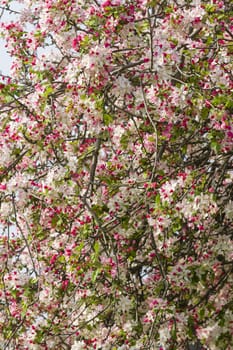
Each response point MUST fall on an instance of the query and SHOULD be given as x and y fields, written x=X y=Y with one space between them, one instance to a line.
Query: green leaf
x=14 y=293
x=79 y=248
x=157 y=200
x=204 y=112
x=202 y=313
x=61 y=259
x=96 y=248
x=95 y=275
x=210 y=8
x=107 y=118
x=215 y=145
x=24 y=307
x=39 y=337
x=48 y=91
x=124 y=141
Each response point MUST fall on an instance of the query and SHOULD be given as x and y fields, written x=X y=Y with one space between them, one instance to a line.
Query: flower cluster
x=116 y=175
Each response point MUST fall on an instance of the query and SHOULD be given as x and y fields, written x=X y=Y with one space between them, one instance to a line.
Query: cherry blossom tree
x=116 y=175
